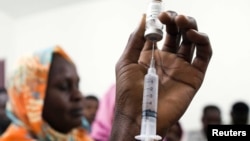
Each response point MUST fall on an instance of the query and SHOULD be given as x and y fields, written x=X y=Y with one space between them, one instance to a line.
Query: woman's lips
x=77 y=112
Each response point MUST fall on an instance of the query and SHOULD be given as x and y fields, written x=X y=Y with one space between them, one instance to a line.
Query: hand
x=180 y=74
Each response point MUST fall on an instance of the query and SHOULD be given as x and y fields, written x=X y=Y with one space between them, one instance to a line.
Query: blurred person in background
x=102 y=125
x=211 y=115
x=4 y=120
x=239 y=113
x=91 y=104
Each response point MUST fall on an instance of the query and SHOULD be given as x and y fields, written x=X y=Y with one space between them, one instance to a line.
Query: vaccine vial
x=153 y=25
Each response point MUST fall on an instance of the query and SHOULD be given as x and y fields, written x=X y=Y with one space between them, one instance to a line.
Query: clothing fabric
x=102 y=125
x=26 y=89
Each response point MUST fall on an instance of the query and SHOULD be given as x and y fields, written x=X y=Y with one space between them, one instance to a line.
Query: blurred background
x=95 y=32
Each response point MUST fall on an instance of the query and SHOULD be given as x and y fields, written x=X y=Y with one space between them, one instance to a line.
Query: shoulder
x=14 y=132
x=81 y=134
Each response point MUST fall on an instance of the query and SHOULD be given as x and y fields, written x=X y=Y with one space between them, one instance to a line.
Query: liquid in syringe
x=149 y=104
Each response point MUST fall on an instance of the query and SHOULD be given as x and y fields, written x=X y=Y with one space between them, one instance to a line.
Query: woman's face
x=63 y=109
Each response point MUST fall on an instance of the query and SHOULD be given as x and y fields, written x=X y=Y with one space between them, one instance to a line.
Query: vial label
x=154 y=10
x=153 y=25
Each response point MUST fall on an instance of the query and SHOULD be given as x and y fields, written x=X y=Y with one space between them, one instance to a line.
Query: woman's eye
x=64 y=86
x=67 y=86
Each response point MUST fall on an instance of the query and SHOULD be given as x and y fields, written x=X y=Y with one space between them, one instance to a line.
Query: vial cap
x=153 y=34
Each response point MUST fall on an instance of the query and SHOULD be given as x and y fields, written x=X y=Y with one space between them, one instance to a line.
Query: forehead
x=211 y=112
x=212 y=115
x=60 y=65
x=91 y=102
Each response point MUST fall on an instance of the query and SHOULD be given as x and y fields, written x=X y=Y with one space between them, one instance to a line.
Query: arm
x=181 y=73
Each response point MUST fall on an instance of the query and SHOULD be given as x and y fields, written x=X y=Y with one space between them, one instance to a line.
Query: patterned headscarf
x=27 y=89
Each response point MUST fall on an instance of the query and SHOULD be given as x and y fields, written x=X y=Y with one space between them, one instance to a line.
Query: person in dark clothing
x=239 y=113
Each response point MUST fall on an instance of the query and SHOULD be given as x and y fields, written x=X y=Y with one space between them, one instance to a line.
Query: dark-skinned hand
x=181 y=65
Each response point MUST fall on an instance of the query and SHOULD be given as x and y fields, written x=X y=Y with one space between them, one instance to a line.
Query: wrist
x=124 y=128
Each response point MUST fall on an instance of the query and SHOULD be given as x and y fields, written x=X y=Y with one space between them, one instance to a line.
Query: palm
x=178 y=83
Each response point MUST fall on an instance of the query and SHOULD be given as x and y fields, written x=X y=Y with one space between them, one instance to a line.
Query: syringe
x=149 y=105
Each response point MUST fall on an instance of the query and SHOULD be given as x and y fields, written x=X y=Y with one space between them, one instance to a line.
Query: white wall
x=95 y=34
x=6 y=36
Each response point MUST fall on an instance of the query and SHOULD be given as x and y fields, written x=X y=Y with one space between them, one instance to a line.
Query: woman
x=45 y=100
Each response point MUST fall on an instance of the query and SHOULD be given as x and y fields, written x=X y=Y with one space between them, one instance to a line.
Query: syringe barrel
x=148 y=126
x=150 y=92
x=150 y=102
